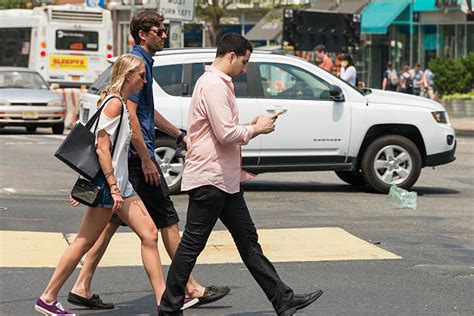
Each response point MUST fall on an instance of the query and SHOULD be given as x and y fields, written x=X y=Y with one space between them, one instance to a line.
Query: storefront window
x=430 y=43
x=470 y=37
x=401 y=46
x=447 y=40
x=460 y=40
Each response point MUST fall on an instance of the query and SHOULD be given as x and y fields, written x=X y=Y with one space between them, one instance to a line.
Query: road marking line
x=9 y=190
x=56 y=136
x=32 y=249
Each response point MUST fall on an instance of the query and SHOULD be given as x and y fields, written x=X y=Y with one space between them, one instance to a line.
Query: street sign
x=95 y=3
x=177 y=10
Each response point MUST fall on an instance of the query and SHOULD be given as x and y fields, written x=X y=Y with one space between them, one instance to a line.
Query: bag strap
x=96 y=116
x=118 y=131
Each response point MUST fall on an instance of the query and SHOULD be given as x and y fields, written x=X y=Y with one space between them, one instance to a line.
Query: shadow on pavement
x=22 y=131
x=144 y=306
x=287 y=186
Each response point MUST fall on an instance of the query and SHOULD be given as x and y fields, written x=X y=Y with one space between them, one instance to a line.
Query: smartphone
x=276 y=114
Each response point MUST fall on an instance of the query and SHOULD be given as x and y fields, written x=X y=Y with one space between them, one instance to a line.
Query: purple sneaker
x=188 y=302
x=54 y=309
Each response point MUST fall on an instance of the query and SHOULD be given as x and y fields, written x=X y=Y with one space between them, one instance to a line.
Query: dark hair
x=144 y=20
x=389 y=65
x=348 y=58
x=320 y=48
x=233 y=43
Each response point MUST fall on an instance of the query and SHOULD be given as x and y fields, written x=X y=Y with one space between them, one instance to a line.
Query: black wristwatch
x=180 y=138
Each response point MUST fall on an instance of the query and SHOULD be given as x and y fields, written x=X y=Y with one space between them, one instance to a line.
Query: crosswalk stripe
x=41 y=249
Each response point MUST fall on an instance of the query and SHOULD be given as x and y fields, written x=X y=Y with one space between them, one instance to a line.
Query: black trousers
x=206 y=205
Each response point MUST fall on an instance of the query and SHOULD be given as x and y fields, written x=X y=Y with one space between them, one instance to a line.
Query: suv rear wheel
x=170 y=164
x=391 y=159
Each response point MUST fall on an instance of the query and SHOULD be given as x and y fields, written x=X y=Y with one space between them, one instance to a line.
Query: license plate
x=76 y=78
x=31 y=115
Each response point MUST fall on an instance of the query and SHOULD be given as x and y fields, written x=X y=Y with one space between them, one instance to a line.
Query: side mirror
x=54 y=86
x=336 y=93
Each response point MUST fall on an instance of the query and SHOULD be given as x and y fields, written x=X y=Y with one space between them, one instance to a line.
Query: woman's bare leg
x=92 y=225
x=135 y=215
x=82 y=287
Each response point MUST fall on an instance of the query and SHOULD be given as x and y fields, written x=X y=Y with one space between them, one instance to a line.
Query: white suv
x=368 y=137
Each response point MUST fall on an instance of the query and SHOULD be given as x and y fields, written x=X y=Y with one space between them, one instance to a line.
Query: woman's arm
x=105 y=158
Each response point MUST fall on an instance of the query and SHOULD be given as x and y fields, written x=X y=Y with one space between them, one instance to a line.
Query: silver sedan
x=26 y=100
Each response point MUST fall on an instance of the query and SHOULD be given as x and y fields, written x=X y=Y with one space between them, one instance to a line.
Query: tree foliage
x=453 y=75
x=212 y=11
x=18 y=4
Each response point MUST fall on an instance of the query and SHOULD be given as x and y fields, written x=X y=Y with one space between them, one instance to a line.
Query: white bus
x=67 y=44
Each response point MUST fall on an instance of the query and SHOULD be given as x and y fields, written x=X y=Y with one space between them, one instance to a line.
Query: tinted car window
x=240 y=83
x=197 y=69
x=170 y=78
x=282 y=81
x=101 y=82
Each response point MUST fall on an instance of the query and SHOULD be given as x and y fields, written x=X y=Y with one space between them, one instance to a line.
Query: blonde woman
x=128 y=76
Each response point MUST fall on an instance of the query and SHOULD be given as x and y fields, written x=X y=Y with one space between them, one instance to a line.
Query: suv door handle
x=274 y=109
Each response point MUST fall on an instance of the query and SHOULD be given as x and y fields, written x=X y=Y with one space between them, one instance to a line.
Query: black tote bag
x=78 y=149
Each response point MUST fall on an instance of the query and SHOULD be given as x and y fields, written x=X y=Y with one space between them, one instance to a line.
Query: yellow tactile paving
x=280 y=245
x=30 y=249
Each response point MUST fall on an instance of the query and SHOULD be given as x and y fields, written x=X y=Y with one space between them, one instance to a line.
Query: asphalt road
x=435 y=275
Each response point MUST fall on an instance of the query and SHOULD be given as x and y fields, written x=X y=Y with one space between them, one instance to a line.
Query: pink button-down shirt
x=214 y=135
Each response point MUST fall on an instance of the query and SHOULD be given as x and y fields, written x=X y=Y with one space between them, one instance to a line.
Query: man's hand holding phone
x=265 y=124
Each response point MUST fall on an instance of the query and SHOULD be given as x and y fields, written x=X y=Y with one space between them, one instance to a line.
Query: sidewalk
x=464 y=126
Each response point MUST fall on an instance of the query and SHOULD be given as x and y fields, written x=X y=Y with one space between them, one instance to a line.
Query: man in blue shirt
x=149 y=33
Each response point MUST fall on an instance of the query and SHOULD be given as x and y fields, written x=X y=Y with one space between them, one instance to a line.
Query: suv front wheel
x=391 y=159
x=171 y=164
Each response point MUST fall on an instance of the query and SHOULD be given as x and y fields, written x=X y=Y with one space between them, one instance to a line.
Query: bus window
x=77 y=40
x=15 y=48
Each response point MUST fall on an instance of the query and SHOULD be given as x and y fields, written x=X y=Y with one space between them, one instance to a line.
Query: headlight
x=4 y=103
x=55 y=103
x=440 y=117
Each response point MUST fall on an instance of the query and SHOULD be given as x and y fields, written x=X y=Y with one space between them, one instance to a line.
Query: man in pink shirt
x=212 y=177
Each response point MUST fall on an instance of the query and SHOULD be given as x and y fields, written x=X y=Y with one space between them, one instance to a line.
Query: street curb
x=464 y=133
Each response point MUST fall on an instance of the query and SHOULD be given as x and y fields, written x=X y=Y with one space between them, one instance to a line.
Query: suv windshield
x=101 y=82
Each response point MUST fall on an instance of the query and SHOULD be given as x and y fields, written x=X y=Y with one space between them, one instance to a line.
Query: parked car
x=368 y=137
x=26 y=100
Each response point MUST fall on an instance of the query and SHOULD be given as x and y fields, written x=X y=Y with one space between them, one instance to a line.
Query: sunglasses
x=159 y=32
x=141 y=74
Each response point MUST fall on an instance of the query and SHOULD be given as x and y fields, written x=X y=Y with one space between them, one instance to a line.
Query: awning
x=270 y=27
x=377 y=16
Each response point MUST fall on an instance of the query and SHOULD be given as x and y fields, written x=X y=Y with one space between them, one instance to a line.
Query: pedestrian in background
x=406 y=80
x=212 y=176
x=127 y=77
x=391 y=80
x=417 y=77
x=322 y=57
x=348 y=70
x=149 y=34
x=428 y=84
